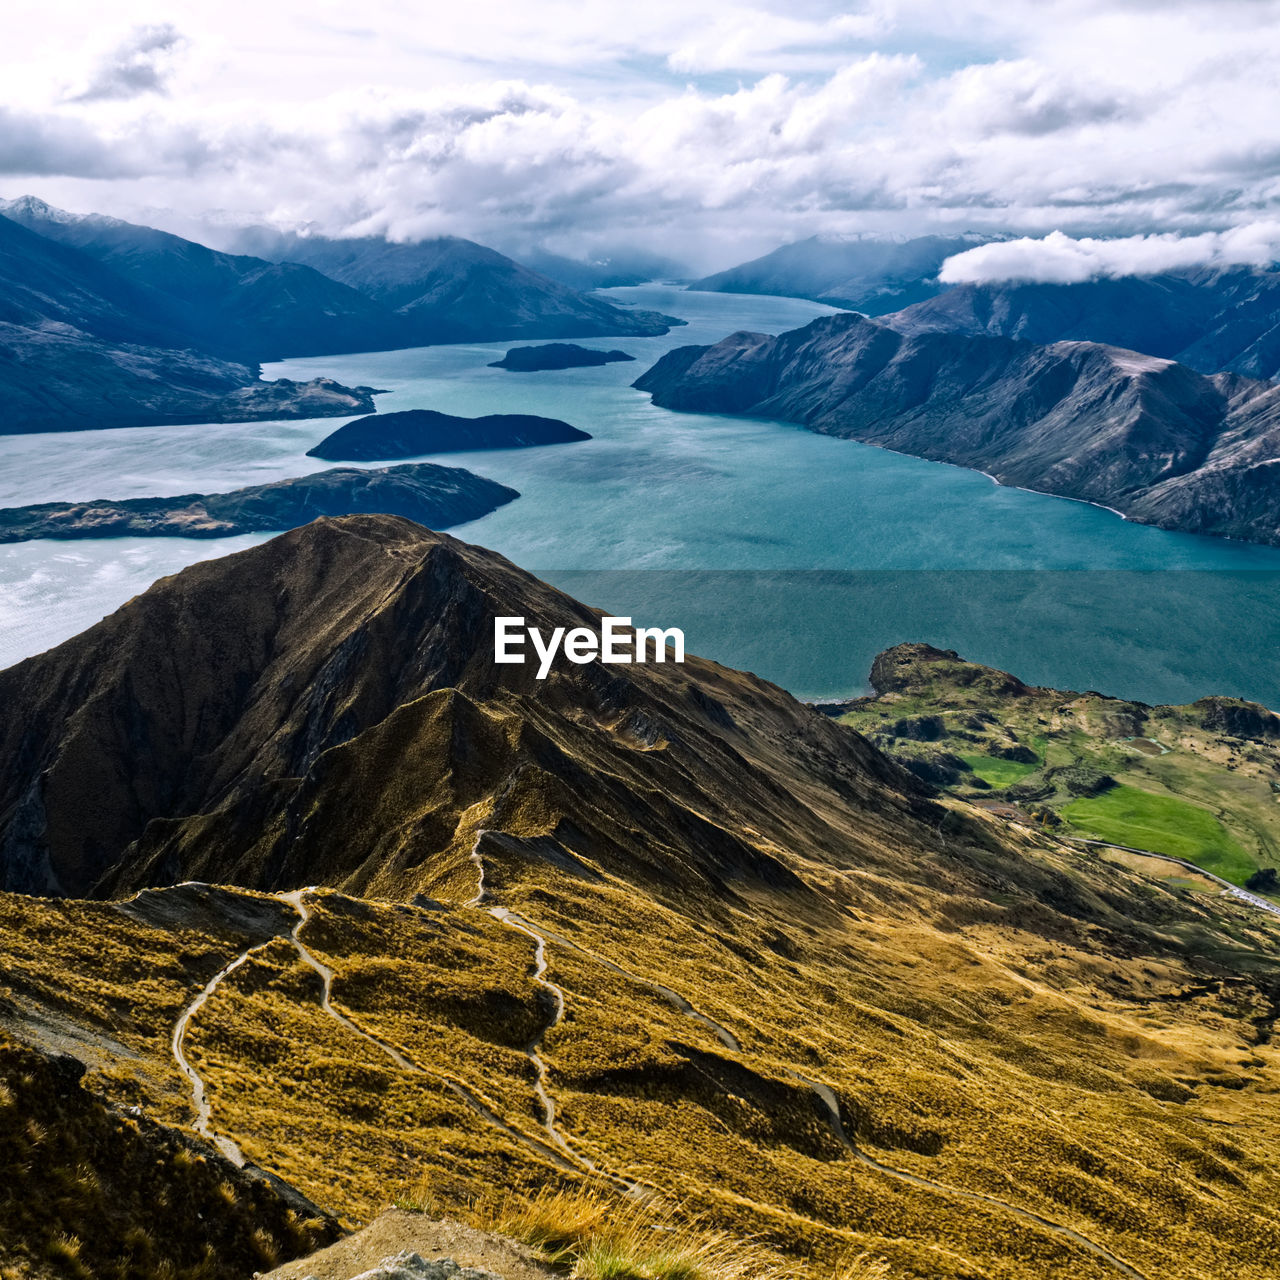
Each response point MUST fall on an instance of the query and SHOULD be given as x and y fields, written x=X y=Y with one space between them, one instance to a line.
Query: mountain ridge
x=1224 y=319
x=451 y=289
x=1147 y=437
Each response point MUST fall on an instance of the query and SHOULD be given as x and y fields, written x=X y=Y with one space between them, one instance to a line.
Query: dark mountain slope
x=453 y=290
x=871 y=276
x=231 y=305
x=1209 y=320
x=242 y=746
x=82 y=347
x=94 y=1192
x=1149 y=437
x=43 y=283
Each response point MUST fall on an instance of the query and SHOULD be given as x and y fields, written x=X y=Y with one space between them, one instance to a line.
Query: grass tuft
x=594 y=1235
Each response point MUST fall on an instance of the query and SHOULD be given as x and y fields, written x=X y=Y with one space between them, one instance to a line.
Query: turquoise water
x=714 y=524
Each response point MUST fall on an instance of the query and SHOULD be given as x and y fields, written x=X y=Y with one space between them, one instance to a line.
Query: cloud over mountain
x=1059 y=259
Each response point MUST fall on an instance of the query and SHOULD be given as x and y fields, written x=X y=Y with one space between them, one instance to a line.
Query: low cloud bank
x=1059 y=259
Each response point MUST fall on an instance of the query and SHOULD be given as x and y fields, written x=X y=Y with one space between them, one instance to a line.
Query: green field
x=999 y=773
x=1163 y=824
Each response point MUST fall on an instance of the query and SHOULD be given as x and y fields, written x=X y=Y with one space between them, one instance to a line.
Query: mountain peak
x=320 y=694
x=29 y=206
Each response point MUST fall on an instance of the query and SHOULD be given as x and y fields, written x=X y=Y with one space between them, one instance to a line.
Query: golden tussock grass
x=596 y=1235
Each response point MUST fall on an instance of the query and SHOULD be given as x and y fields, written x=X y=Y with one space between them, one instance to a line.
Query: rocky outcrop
x=58 y=379
x=284 y=398
x=413 y=432
x=556 y=355
x=431 y=495
x=1155 y=440
x=408 y=1265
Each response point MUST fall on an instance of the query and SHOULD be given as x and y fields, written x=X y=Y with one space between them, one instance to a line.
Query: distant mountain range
x=104 y=323
x=80 y=346
x=229 y=305
x=609 y=271
x=1210 y=319
x=868 y=275
x=454 y=290
x=1157 y=441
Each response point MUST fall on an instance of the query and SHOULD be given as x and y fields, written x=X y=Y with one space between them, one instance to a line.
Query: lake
x=795 y=555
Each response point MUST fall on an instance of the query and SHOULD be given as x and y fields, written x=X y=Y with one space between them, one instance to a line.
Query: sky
x=709 y=130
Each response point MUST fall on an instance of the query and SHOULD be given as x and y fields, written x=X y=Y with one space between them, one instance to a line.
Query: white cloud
x=1059 y=259
x=139 y=64
x=717 y=126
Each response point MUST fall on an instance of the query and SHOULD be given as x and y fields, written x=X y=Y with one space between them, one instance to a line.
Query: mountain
x=420 y=491
x=413 y=432
x=258 y=724
x=1150 y=438
x=82 y=347
x=867 y=275
x=1209 y=319
x=230 y=305
x=611 y=271
x=454 y=290
x=652 y=927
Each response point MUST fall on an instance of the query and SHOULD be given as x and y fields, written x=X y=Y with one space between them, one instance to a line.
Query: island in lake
x=413 y=432
x=556 y=355
x=431 y=495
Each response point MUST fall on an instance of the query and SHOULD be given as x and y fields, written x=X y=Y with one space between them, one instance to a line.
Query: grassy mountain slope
x=752 y=966
x=94 y=1187
x=1200 y=782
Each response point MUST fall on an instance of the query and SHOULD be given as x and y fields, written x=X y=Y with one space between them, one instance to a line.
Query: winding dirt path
x=199 y=1096
x=531 y=1050
x=558 y=1151
x=831 y=1108
x=297 y=900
